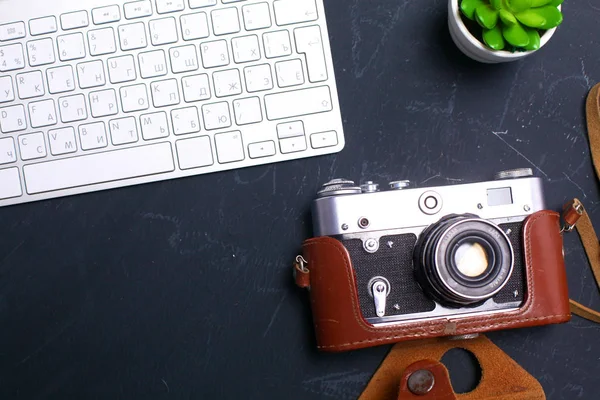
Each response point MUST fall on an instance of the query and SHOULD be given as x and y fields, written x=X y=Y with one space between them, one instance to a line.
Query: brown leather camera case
x=339 y=324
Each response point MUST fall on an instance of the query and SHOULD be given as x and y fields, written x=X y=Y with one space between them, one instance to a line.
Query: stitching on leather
x=475 y=323
x=432 y=331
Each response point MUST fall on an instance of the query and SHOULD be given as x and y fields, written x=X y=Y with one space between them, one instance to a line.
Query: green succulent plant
x=517 y=23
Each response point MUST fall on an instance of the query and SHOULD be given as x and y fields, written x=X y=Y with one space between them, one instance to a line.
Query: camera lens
x=463 y=260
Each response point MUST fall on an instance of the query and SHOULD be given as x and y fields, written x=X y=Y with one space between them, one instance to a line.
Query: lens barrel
x=463 y=260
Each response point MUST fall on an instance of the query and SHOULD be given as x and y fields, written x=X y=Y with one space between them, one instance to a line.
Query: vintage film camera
x=424 y=262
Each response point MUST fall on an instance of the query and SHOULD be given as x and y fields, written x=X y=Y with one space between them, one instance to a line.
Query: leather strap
x=501 y=378
x=584 y=226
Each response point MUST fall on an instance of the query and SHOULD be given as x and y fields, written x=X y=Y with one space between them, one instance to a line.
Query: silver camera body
x=384 y=229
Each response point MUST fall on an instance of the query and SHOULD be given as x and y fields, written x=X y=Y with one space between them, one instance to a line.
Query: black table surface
x=183 y=289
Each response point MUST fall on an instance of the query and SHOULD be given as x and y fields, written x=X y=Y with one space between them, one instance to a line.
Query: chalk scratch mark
x=521 y=154
x=10 y=253
x=576 y=185
x=511 y=93
x=167 y=386
x=46 y=343
x=357 y=37
x=275 y=314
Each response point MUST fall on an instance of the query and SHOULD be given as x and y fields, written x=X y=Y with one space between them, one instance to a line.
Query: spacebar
x=99 y=168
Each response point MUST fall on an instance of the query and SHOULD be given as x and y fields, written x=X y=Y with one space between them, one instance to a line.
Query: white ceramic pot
x=473 y=48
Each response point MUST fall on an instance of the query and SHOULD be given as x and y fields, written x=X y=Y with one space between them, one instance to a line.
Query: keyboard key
x=229 y=147
x=152 y=64
x=30 y=84
x=74 y=20
x=247 y=111
x=309 y=42
x=256 y=16
x=292 y=145
x=41 y=26
x=185 y=121
x=104 y=15
x=168 y=6
x=40 y=52
x=196 y=88
x=14 y=30
x=7 y=151
x=93 y=136
x=133 y=36
x=214 y=54
x=42 y=113
x=277 y=44
x=290 y=129
x=216 y=116
x=102 y=41
x=165 y=93
x=194 y=26
x=99 y=168
x=91 y=74
x=225 y=21
x=11 y=57
x=103 y=103
x=72 y=108
x=297 y=103
x=202 y=3
x=60 y=79
x=121 y=69
x=154 y=126
x=294 y=11
x=245 y=49
x=138 y=9
x=163 y=31
x=12 y=119
x=183 y=59
x=71 y=47
x=123 y=131
x=323 y=139
x=258 y=78
x=261 y=149
x=62 y=141
x=227 y=83
x=7 y=92
x=10 y=183
x=134 y=98
x=194 y=153
x=32 y=146
x=289 y=73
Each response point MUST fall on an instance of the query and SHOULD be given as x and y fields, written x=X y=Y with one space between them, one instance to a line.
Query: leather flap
x=501 y=378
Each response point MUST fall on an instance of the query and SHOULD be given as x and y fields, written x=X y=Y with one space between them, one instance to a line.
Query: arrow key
x=261 y=149
x=292 y=145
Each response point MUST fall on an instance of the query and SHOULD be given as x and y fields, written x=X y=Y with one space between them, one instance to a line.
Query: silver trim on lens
x=501 y=286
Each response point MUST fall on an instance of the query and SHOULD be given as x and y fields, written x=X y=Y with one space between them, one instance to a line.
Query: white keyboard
x=121 y=94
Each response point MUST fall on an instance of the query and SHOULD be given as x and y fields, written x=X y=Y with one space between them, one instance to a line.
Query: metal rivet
x=345 y=227
x=390 y=244
x=526 y=208
x=480 y=206
x=397 y=307
x=363 y=223
x=371 y=245
x=421 y=382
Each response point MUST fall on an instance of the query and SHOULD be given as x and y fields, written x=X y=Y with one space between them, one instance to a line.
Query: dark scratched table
x=183 y=289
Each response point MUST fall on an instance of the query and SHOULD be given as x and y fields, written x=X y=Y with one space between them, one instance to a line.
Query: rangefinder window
x=499 y=197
